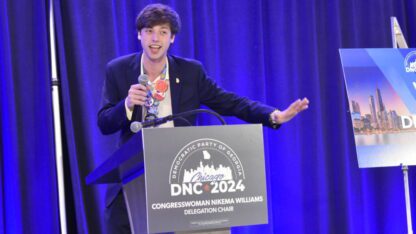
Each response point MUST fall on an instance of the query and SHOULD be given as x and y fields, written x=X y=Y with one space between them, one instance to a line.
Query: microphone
x=143 y=79
x=136 y=126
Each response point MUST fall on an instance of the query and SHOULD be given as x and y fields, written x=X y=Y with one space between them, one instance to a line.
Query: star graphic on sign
x=206 y=187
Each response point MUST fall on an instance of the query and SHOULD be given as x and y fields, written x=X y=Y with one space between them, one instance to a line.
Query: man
x=174 y=85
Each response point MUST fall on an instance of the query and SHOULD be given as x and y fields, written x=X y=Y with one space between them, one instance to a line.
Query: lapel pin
x=178 y=81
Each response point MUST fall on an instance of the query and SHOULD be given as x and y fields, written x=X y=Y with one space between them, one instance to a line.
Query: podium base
x=135 y=197
x=212 y=231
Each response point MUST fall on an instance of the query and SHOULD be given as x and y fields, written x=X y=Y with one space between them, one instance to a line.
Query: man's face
x=156 y=41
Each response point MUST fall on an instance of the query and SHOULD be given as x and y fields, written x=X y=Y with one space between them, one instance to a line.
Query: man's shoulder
x=124 y=60
x=185 y=62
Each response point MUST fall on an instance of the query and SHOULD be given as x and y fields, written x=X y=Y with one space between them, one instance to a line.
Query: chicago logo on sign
x=410 y=62
x=206 y=166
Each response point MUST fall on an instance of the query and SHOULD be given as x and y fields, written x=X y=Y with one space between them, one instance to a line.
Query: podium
x=190 y=179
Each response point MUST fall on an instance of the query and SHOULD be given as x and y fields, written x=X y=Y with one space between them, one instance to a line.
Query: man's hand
x=137 y=96
x=297 y=106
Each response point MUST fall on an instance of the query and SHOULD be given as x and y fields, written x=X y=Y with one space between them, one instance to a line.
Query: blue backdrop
x=271 y=51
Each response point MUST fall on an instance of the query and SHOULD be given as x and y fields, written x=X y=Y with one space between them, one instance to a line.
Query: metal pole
x=399 y=41
x=57 y=121
x=393 y=31
x=405 y=170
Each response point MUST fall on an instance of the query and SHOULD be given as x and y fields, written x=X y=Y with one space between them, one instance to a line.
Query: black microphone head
x=143 y=79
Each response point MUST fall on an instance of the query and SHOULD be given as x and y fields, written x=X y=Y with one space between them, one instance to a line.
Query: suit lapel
x=132 y=76
x=174 y=82
x=134 y=71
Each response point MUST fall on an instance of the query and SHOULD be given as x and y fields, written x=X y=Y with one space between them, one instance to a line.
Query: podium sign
x=200 y=178
x=381 y=87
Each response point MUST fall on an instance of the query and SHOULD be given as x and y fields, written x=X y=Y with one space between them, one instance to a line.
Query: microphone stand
x=197 y=111
x=137 y=126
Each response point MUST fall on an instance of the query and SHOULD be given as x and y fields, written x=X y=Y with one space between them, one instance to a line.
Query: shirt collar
x=142 y=67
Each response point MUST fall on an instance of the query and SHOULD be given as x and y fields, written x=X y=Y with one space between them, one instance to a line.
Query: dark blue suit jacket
x=190 y=87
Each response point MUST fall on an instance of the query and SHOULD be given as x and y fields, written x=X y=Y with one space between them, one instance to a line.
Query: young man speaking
x=173 y=85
